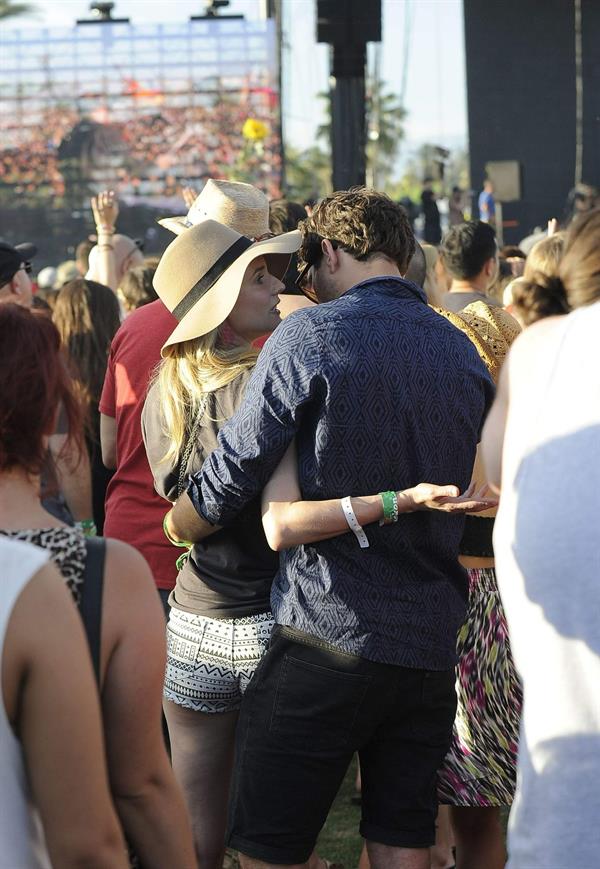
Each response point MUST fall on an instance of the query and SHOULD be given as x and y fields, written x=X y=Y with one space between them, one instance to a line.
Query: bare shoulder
x=127 y=567
x=123 y=557
x=131 y=608
x=41 y=627
x=545 y=334
x=45 y=597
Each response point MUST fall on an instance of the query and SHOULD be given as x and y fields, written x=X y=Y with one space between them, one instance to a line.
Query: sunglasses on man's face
x=26 y=267
x=305 y=284
x=311 y=253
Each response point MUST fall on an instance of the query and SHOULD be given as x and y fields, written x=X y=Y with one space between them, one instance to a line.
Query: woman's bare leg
x=479 y=837
x=202 y=749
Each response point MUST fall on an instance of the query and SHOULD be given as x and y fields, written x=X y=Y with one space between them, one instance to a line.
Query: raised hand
x=189 y=195
x=105 y=209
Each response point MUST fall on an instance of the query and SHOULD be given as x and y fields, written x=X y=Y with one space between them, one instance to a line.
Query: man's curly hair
x=363 y=222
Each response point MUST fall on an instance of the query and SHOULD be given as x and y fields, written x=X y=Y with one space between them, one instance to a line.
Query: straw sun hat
x=200 y=274
x=490 y=328
x=239 y=205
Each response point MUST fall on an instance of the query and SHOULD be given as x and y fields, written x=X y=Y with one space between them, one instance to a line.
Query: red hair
x=34 y=383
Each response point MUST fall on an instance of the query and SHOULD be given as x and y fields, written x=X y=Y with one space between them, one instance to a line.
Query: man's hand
x=105 y=209
x=185 y=524
x=427 y=496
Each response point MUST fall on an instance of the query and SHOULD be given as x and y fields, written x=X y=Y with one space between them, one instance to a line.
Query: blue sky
x=435 y=93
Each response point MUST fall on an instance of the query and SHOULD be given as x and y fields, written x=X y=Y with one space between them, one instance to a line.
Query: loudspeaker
x=505 y=175
x=348 y=22
x=349 y=61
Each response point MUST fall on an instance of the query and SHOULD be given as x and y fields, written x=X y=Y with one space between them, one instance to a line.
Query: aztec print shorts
x=211 y=661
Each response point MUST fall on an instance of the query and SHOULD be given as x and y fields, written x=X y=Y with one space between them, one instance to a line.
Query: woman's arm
x=73 y=474
x=105 y=209
x=148 y=800
x=108 y=441
x=51 y=700
x=289 y=521
x=492 y=438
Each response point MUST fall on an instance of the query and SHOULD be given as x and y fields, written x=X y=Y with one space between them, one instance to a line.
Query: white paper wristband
x=353 y=523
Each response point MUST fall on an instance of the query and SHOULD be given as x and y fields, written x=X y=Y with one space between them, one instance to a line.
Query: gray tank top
x=546 y=542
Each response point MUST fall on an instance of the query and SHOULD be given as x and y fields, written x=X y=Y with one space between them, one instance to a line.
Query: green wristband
x=390 y=507
x=184 y=544
x=88 y=526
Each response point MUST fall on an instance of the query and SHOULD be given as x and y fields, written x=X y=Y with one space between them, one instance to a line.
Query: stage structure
x=533 y=81
x=144 y=109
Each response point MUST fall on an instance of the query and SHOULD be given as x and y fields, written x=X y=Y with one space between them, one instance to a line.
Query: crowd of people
x=307 y=489
x=157 y=147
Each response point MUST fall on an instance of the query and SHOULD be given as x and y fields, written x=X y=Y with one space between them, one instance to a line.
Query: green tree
x=425 y=164
x=458 y=169
x=308 y=173
x=8 y=9
x=384 y=117
x=385 y=131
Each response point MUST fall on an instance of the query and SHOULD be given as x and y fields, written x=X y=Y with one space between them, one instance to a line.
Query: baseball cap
x=11 y=257
x=46 y=278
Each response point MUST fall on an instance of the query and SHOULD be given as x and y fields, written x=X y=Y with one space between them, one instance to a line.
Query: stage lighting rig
x=102 y=14
x=211 y=11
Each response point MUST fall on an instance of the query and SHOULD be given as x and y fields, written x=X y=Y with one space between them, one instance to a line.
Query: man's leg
x=399 y=768
x=388 y=857
x=299 y=727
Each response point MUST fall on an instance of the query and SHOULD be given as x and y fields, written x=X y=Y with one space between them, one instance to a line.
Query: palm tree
x=385 y=131
x=8 y=9
x=384 y=117
x=308 y=173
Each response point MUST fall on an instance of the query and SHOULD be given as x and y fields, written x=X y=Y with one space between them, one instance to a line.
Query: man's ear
x=331 y=254
x=10 y=289
x=490 y=267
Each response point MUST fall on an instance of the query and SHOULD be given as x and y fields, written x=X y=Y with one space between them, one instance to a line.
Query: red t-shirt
x=134 y=512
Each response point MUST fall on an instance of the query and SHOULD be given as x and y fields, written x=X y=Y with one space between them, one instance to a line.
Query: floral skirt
x=480 y=768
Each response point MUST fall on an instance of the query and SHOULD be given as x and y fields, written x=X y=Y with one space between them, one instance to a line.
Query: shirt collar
x=389 y=285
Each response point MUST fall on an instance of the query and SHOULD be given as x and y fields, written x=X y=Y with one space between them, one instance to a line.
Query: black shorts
x=306 y=711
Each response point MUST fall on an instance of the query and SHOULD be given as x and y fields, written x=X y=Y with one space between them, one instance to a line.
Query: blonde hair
x=192 y=370
x=541 y=293
x=545 y=256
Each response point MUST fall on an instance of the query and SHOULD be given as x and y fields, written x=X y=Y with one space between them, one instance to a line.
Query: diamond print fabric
x=381 y=393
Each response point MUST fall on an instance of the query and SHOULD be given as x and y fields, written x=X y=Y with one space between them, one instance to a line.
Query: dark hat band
x=211 y=277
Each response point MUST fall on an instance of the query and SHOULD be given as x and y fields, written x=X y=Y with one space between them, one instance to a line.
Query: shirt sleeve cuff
x=194 y=491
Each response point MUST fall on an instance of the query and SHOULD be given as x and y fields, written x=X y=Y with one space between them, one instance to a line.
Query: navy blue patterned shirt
x=380 y=392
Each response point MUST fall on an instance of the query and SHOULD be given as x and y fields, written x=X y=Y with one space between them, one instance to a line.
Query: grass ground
x=339 y=840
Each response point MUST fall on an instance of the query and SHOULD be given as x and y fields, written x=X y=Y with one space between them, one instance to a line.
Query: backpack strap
x=90 y=605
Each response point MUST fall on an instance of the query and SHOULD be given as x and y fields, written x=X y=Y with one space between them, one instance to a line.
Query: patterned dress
x=480 y=768
x=66 y=547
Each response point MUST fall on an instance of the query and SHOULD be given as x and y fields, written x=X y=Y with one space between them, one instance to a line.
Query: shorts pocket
x=434 y=719
x=315 y=706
